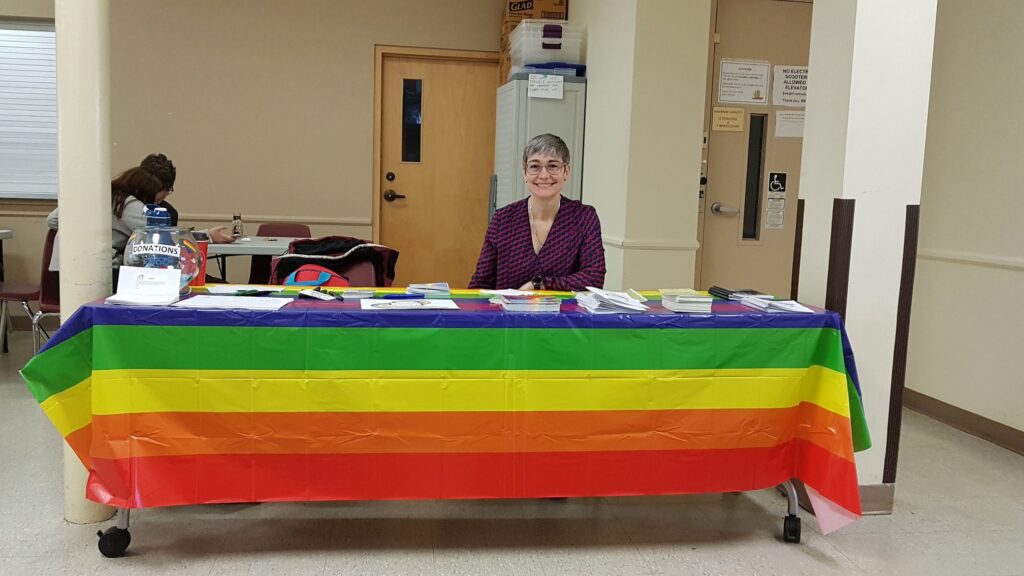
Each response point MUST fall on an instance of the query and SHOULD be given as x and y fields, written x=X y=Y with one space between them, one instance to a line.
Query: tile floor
x=959 y=511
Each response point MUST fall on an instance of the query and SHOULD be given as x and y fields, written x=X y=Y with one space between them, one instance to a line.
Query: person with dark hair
x=545 y=241
x=129 y=194
x=160 y=166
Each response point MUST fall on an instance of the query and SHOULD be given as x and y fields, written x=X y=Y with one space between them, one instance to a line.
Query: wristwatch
x=538 y=282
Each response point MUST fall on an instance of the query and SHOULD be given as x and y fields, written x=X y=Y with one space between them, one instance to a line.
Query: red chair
x=23 y=293
x=49 y=293
x=259 y=270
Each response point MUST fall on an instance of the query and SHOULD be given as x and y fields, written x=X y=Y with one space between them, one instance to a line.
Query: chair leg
x=4 y=320
x=35 y=331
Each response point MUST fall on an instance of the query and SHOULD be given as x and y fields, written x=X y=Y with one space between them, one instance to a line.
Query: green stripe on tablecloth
x=56 y=369
x=261 y=348
x=858 y=424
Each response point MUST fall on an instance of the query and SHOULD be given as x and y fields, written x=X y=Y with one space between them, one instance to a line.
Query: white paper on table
x=146 y=286
x=408 y=304
x=232 y=288
x=508 y=292
x=234 y=302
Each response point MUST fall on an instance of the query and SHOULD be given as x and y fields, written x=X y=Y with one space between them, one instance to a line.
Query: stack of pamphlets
x=737 y=295
x=432 y=290
x=597 y=301
x=528 y=303
x=766 y=305
x=686 y=300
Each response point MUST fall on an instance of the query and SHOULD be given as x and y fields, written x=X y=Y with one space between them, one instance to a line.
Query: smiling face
x=545 y=176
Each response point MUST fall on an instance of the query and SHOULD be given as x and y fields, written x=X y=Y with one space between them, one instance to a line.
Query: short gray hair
x=547 y=144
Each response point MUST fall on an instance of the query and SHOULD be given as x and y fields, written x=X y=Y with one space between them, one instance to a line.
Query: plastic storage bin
x=540 y=41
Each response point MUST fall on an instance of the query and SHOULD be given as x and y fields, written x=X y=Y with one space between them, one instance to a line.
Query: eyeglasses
x=553 y=168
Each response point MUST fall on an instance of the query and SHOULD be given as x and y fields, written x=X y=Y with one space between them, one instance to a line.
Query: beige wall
x=265 y=106
x=967 y=327
x=26 y=9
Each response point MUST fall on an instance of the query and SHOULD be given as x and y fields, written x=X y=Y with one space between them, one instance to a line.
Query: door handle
x=717 y=208
x=390 y=196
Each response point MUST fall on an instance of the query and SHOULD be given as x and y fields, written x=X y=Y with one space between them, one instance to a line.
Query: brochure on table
x=146 y=286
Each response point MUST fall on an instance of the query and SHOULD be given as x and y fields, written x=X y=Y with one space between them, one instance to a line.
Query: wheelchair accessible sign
x=775 y=207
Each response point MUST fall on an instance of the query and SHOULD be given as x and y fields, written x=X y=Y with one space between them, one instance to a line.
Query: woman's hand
x=220 y=235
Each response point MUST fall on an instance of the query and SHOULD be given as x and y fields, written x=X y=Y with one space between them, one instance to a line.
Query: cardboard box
x=504 y=67
x=535 y=9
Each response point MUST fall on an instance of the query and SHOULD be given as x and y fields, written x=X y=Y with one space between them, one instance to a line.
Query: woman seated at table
x=545 y=241
x=129 y=194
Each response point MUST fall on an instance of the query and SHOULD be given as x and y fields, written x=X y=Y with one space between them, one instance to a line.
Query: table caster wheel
x=114 y=542
x=791 y=529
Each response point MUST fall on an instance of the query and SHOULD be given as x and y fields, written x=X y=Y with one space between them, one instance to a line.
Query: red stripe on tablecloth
x=176 y=480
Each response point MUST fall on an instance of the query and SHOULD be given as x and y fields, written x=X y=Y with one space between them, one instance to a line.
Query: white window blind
x=28 y=110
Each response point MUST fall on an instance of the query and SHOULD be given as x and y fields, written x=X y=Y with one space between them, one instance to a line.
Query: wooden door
x=437 y=119
x=748 y=217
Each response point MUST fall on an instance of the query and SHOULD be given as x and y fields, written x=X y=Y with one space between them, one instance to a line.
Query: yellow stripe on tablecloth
x=70 y=409
x=137 y=391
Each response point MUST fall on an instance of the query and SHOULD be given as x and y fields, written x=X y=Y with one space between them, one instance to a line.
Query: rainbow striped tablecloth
x=322 y=401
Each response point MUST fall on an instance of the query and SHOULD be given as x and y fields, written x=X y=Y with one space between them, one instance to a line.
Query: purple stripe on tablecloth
x=474 y=315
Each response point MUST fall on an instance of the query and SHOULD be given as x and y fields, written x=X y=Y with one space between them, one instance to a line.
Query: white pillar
x=646 y=78
x=83 y=133
x=864 y=138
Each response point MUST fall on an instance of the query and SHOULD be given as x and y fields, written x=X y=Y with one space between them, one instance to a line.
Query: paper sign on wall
x=774 y=218
x=545 y=86
x=727 y=119
x=790 y=87
x=743 y=82
x=789 y=124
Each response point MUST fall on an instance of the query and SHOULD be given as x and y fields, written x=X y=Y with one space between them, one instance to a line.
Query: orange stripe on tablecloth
x=187 y=433
x=80 y=441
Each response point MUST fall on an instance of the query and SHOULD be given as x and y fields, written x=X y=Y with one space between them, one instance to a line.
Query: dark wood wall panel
x=837 y=288
x=899 y=354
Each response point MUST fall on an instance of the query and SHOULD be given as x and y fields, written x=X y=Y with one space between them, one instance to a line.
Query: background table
x=254 y=246
x=323 y=401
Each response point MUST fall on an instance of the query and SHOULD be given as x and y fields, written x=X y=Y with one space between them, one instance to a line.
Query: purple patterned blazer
x=572 y=257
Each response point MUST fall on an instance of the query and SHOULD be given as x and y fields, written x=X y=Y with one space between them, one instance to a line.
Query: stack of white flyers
x=766 y=305
x=532 y=303
x=432 y=290
x=686 y=300
x=597 y=301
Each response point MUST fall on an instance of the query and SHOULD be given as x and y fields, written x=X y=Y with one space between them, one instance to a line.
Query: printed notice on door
x=790 y=87
x=727 y=119
x=545 y=86
x=743 y=82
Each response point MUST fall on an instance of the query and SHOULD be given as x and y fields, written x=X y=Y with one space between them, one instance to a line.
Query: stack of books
x=432 y=290
x=767 y=305
x=686 y=300
x=528 y=303
x=736 y=295
x=597 y=301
